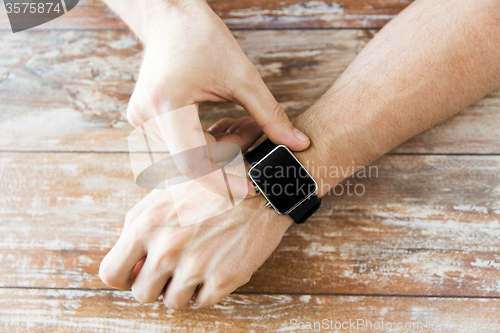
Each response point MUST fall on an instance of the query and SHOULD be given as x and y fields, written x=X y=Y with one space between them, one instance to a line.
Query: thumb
x=258 y=101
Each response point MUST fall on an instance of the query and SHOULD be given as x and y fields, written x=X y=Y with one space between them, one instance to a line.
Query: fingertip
x=240 y=186
x=221 y=126
x=251 y=190
x=300 y=145
x=289 y=139
x=105 y=277
x=299 y=135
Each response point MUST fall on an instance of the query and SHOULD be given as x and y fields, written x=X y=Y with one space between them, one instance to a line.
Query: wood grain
x=427 y=225
x=113 y=311
x=308 y=14
x=77 y=85
x=420 y=246
x=261 y=14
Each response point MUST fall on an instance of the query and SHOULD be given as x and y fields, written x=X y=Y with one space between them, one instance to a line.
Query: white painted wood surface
x=420 y=246
x=77 y=84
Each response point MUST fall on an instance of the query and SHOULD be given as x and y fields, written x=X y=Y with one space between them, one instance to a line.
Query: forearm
x=145 y=17
x=431 y=61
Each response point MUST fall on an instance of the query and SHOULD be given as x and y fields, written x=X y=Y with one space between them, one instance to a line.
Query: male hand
x=156 y=256
x=191 y=56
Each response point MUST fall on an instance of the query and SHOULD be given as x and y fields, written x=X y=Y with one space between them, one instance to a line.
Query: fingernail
x=299 y=135
x=251 y=191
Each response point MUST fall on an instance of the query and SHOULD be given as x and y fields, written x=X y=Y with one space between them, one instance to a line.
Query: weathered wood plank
x=68 y=90
x=294 y=14
x=427 y=225
x=113 y=311
x=262 y=14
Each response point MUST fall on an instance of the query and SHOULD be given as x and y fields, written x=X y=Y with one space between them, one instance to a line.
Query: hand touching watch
x=155 y=256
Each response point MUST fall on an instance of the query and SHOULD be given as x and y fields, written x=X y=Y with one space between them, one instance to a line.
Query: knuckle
x=129 y=217
x=230 y=88
x=209 y=297
x=205 y=301
x=238 y=85
x=173 y=303
x=135 y=109
x=151 y=220
x=223 y=281
x=168 y=92
x=153 y=217
x=133 y=240
x=165 y=260
x=278 y=113
x=244 y=280
x=105 y=277
x=109 y=278
x=231 y=280
x=142 y=296
x=144 y=102
x=250 y=73
x=193 y=269
x=155 y=95
x=134 y=116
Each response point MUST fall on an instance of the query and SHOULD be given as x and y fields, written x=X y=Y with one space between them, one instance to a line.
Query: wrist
x=258 y=202
x=168 y=16
x=280 y=222
x=350 y=142
x=328 y=159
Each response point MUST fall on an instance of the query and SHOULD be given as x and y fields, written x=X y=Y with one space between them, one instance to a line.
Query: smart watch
x=283 y=181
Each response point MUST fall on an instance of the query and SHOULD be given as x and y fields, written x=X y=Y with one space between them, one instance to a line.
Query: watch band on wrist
x=306 y=208
x=303 y=211
x=259 y=152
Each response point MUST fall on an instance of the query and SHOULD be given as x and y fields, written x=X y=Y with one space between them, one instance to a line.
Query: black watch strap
x=259 y=152
x=303 y=211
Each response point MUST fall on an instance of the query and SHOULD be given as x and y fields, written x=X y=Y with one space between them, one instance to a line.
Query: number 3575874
x=33 y=8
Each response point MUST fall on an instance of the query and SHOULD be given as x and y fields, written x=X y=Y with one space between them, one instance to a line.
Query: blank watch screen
x=282 y=179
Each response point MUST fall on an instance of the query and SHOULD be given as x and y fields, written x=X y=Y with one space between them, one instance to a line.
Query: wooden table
x=421 y=246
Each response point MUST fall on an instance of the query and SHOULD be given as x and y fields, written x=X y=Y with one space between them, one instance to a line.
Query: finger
x=216 y=186
x=244 y=133
x=186 y=141
x=209 y=295
x=258 y=101
x=221 y=126
x=117 y=266
x=145 y=202
x=138 y=116
x=238 y=124
x=181 y=129
x=137 y=269
x=151 y=280
x=244 y=136
x=240 y=187
x=180 y=291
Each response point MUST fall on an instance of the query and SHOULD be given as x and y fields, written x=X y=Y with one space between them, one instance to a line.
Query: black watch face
x=282 y=180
